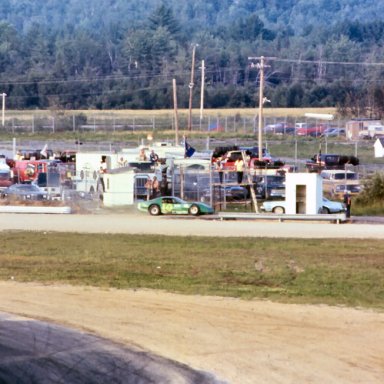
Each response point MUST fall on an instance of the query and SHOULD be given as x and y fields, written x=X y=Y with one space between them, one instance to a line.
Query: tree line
x=115 y=54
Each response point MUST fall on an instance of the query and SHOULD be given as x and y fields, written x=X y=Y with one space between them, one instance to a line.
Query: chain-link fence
x=100 y=121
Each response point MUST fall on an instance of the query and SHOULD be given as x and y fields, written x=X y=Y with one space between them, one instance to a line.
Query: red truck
x=26 y=171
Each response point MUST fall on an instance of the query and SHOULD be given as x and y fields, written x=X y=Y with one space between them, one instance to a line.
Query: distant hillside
x=124 y=54
x=206 y=14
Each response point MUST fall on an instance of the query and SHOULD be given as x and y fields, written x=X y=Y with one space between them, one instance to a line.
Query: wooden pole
x=202 y=89
x=175 y=112
x=191 y=85
x=3 y=109
x=250 y=183
x=261 y=102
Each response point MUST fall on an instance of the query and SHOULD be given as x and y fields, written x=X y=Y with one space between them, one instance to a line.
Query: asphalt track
x=37 y=352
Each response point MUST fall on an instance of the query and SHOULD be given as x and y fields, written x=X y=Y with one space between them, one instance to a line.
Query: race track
x=145 y=224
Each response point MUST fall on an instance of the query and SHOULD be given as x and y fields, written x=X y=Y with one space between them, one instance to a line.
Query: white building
x=303 y=193
x=379 y=147
x=119 y=187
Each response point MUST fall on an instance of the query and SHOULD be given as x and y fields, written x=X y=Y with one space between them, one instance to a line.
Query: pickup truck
x=330 y=161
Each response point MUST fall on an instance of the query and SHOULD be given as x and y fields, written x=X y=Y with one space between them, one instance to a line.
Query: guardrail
x=34 y=209
x=333 y=218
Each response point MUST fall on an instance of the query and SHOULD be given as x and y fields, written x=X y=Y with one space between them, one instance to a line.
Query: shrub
x=371 y=200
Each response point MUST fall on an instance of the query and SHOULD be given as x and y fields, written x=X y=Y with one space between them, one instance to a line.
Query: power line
x=317 y=62
x=148 y=75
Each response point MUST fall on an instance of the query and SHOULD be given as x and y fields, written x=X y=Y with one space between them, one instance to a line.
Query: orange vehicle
x=26 y=171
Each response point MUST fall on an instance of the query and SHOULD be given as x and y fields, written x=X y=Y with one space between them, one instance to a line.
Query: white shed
x=379 y=147
x=303 y=193
x=119 y=187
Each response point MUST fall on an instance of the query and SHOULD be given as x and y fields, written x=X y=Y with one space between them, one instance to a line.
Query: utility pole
x=261 y=102
x=3 y=114
x=191 y=85
x=202 y=89
x=261 y=66
x=175 y=112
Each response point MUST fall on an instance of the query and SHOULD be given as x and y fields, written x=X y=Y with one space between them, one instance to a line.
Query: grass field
x=248 y=112
x=337 y=272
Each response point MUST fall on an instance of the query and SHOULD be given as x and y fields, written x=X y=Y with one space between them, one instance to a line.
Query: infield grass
x=336 y=272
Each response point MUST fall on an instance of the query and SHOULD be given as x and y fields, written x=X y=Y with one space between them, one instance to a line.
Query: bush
x=371 y=199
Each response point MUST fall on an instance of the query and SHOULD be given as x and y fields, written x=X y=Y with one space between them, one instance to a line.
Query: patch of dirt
x=238 y=341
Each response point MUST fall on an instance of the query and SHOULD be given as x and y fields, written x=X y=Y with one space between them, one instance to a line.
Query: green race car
x=170 y=205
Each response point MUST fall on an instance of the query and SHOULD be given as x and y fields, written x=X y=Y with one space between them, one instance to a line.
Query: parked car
x=313 y=131
x=229 y=193
x=24 y=192
x=280 y=129
x=280 y=206
x=334 y=132
x=171 y=205
x=50 y=183
x=269 y=186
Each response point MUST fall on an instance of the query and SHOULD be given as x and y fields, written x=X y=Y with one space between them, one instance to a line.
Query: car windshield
x=344 y=175
x=275 y=179
x=173 y=200
x=27 y=187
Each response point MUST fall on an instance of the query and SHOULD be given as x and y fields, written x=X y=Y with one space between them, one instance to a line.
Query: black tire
x=279 y=210
x=154 y=210
x=324 y=211
x=194 y=210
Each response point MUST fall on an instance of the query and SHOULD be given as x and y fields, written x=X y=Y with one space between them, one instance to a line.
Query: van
x=337 y=181
x=338 y=174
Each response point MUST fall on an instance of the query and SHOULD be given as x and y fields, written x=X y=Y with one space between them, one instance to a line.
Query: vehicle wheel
x=154 y=210
x=194 y=210
x=324 y=211
x=279 y=210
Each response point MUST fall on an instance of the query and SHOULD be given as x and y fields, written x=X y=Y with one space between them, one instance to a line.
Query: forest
x=123 y=54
